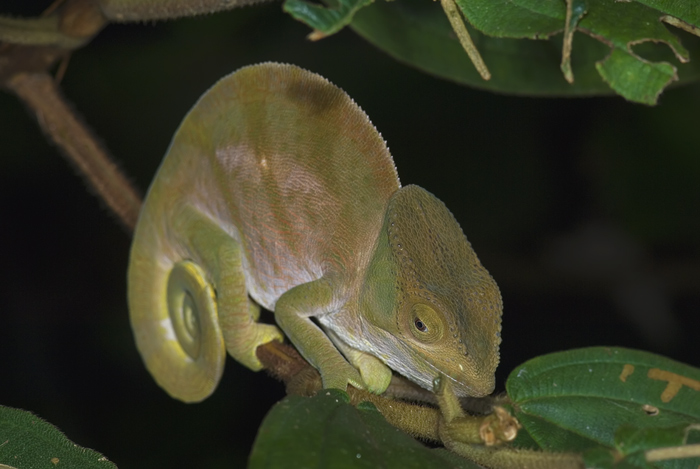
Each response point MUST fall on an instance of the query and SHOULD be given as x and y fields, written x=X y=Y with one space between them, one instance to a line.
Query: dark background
x=606 y=190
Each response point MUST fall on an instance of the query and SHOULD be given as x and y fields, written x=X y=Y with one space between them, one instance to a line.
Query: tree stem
x=78 y=143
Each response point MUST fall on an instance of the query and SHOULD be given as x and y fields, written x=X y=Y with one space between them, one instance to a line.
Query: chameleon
x=278 y=192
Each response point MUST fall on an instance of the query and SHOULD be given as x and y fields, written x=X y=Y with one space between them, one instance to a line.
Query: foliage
x=326 y=431
x=417 y=33
x=326 y=21
x=606 y=402
x=613 y=405
x=28 y=442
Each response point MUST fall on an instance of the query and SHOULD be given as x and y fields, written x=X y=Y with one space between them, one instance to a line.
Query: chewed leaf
x=620 y=25
x=634 y=78
x=617 y=24
x=324 y=20
x=26 y=441
x=418 y=33
x=579 y=48
x=688 y=10
x=610 y=404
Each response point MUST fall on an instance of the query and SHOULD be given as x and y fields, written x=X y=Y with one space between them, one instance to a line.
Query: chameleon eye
x=426 y=324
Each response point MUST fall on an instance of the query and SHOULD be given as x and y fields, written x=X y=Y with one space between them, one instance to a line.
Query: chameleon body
x=278 y=191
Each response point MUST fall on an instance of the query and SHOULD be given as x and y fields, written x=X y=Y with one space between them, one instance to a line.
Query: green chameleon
x=277 y=191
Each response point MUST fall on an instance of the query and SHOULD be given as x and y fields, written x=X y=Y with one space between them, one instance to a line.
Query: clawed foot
x=339 y=375
x=263 y=333
x=375 y=374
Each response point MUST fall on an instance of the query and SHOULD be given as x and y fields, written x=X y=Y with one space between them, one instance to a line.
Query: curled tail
x=173 y=312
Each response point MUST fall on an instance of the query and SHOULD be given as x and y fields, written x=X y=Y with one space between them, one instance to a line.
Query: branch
x=124 y=11
x=79 y=145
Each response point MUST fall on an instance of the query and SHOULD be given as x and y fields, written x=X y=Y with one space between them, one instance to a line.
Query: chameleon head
x=446 y=307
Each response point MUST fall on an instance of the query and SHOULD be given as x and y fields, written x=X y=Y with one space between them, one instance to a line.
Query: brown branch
x=37 y=45
x=79 y=145
x=122 y=11
x=285 y=363
x=417 y=419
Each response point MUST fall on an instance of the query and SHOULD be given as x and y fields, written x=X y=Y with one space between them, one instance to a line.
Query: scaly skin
x=278 y=191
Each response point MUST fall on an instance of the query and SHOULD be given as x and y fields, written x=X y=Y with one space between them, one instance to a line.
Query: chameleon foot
x=259 y=334
x=339 y=375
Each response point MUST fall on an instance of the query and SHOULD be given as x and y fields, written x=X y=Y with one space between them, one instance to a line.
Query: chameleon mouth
x=462 y=383
x=416 y=365
x=462 y=389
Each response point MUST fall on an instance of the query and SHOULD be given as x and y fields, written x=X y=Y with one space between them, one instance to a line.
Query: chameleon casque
x=277 y=191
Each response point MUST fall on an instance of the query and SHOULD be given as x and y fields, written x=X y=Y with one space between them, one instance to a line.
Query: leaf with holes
x=686 y=10
x=604 y=401
x=426 y=40
x=620 y=25
x=613 y=48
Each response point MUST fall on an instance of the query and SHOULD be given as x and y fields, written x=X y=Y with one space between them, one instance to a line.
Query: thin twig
x=575 y=10
x=455 y=18
x=569 y=30
x=79 y=145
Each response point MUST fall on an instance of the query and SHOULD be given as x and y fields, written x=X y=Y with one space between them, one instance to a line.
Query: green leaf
x=630 y=439
x=533 y=19
x=597 y=400
x=326 y=431
x=422 y=36
x=627 y=73
x=26 y=441
x=635 y=79
x=686 y=10
x=599 y=458
x=618 y=24
x=631 y=445
x=324 y=20
x=418 y=33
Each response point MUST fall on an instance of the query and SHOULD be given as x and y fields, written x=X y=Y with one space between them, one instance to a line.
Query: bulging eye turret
x=426 y=324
